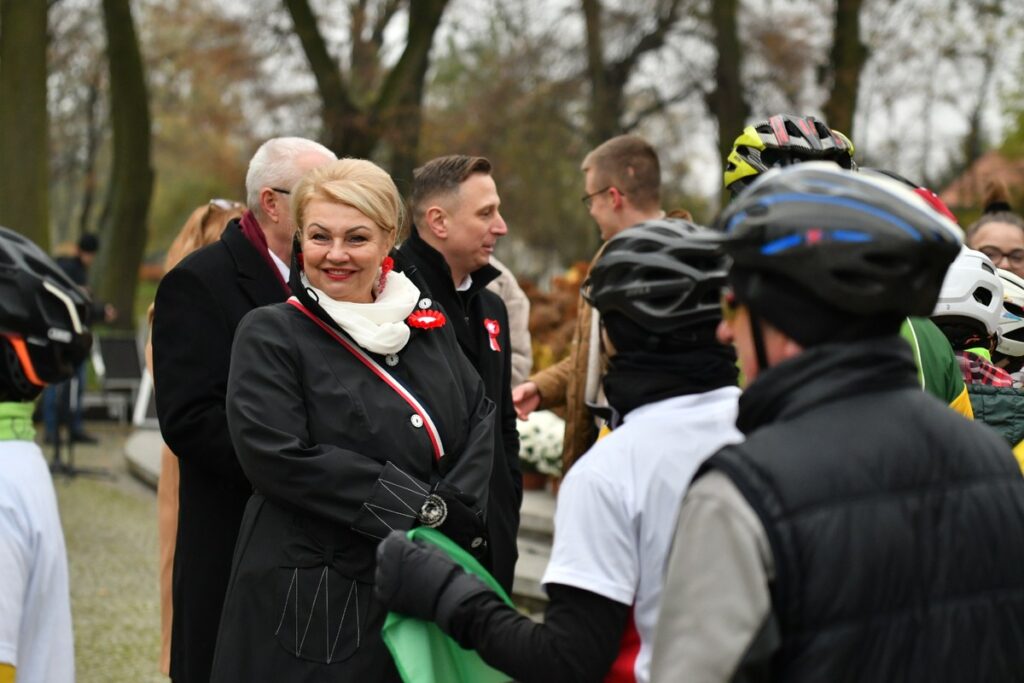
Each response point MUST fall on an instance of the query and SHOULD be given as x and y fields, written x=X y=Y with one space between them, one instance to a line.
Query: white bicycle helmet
x=972 y=291
x=1011 y=325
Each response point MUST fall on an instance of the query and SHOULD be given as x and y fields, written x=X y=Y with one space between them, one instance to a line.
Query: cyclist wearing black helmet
x=859 y=533
x=656 y=288
x=44 y=335
x=784 y=140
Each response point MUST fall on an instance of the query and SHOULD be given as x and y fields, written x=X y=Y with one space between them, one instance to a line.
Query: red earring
x=386 y=266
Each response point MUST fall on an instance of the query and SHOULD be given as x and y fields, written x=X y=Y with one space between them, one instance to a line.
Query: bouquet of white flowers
x=540 y=443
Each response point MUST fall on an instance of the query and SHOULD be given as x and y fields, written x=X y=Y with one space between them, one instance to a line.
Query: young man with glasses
x=622 y=187
x=198 y=306
x=862 y=531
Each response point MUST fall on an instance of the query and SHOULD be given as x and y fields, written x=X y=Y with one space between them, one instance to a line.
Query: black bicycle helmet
x=862 y=245
x=664 y=275
x=783 y=140
x=44 y=319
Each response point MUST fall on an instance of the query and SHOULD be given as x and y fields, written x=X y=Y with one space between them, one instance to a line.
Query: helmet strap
x=756 y=334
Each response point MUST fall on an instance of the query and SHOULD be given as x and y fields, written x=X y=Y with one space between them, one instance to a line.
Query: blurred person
x=970 y=312
x=456 y=223
x=518 y=305
x=999 y=233
x=622 y=187
x=204 y=226
x=44 y=336
x=784 y=140
x=354 y=413
x=199 y=303
x=672 y=387
x=77 y=268
x=859 y=533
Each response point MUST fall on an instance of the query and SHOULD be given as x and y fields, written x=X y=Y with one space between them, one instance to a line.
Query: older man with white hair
x=198 y=306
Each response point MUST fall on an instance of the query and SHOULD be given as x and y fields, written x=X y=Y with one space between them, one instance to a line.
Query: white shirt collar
x=281 y=265
x=465 y=285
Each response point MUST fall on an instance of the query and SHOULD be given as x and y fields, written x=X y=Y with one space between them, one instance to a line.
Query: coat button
x=476 y=542
x=391 y=359
x=425 y=303
x=416 y=421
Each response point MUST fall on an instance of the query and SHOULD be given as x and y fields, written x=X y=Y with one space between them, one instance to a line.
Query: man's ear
x=436 y=222
x=618 y=199
x=270 y=204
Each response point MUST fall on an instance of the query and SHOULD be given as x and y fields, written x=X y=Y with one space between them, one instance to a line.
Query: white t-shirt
x=35 y=604
x=618 y=505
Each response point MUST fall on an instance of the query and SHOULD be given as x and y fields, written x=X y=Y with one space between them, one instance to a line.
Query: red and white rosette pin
x=426 y=319
x=493 y=330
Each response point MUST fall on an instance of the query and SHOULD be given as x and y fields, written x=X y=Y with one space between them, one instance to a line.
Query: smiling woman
x=350 y=424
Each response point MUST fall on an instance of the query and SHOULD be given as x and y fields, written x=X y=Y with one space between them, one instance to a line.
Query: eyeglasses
x=588 y=199
x=996 y=255
x=729 y=304
x=280 y=191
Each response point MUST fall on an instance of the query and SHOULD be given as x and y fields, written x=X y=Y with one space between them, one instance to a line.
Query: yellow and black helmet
x=780 y=141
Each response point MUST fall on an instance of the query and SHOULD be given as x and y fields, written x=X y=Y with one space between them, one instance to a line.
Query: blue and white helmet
x=862 y=244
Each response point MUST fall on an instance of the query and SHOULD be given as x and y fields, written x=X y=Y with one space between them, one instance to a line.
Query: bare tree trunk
x=605 y=107
x=608 y=80
x=93 y=134
x=394 y=115
x=346 y=129
x=124 y=229
x=24 y=150
x=726 y=101
x=847 y=58
x=399 y=106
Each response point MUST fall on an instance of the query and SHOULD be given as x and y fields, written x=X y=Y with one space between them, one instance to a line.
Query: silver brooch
x=425 y=303
x=391 y=359
x=433 y=511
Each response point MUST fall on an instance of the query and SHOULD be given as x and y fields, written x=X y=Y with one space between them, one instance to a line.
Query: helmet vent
x=982 y=296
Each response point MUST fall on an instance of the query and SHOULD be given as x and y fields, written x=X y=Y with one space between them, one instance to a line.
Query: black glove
x=460 y=520
x=418 y=579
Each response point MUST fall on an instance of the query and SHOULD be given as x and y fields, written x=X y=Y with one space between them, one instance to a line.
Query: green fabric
x=1001 y=408
x=423 y=653
x=16 y=422
x=937 y=367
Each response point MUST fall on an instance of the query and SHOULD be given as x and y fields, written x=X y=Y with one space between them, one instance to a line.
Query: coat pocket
x=323 y=613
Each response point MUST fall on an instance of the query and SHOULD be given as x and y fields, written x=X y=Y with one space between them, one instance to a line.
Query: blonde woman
x=353 y=413
x=203 y=227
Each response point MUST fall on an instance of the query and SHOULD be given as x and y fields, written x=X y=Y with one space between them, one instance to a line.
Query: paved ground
x=110 y=529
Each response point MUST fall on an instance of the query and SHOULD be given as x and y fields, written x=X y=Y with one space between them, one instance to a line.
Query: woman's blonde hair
x=361 y=184
x=203 y=227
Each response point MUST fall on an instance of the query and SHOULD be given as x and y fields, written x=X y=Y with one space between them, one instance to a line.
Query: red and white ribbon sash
x=384 y=375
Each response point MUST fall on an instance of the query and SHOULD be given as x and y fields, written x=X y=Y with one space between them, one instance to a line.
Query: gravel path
x=110 y=530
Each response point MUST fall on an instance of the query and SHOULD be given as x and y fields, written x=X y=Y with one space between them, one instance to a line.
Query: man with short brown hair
x=622 y=181
x=457 y=222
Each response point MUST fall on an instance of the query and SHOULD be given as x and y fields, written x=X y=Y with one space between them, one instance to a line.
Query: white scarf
x=378 y=327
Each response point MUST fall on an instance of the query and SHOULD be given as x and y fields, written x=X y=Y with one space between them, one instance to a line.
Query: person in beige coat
x=203 y=227
x=518 y=306
x=622 y=184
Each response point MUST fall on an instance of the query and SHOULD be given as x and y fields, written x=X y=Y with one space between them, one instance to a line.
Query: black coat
x=198 y=306
x=468 y=312
x=895 y=525
x=338 y=459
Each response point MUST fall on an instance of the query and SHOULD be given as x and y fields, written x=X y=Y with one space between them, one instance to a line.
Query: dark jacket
x=1001 y=408
x=467 y=311
x=338 y=459
x=894 y=524
x=198 y=306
